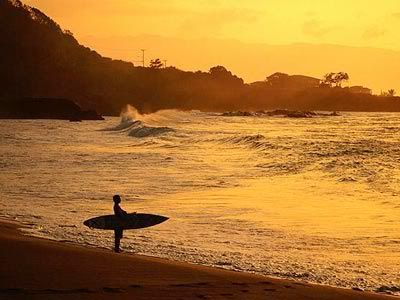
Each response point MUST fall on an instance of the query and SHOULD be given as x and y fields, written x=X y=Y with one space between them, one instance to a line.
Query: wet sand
x=33 y=268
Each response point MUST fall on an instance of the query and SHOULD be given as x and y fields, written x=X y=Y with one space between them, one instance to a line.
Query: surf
x=139 y=125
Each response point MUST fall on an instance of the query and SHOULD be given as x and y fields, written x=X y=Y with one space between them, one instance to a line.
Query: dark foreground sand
x=32 y=268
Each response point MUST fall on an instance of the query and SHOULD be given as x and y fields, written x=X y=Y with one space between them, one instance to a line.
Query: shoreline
x=37 y=268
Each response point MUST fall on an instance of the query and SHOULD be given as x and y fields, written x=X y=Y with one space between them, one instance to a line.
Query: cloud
x=373 y=33
x=314 y=28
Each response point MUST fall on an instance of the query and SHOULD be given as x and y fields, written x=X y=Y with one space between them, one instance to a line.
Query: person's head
x=117 y=199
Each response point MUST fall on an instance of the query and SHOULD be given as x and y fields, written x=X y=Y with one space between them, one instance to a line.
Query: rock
x=388 y=289
x=44 y=108
x=237 y=114
x=300 y=114
x=278 y=112
x=292 y=113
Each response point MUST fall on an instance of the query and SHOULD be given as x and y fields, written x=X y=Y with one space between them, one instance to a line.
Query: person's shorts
x=118 y=233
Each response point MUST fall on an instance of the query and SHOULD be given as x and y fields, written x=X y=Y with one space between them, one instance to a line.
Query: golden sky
x=373 y=23
x=356 y=23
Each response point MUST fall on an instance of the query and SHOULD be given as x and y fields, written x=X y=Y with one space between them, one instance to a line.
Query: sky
x=351 y=23
x=346 y=22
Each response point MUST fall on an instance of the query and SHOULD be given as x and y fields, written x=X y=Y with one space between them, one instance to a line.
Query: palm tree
x=391 y=92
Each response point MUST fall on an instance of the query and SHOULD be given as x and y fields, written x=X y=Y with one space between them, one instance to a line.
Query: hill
x=379 y=69
x=38 y=59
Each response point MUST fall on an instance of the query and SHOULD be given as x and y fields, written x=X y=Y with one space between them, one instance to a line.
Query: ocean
x=314 y=199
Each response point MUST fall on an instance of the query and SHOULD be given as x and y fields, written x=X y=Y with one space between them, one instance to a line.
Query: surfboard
x=130 y=221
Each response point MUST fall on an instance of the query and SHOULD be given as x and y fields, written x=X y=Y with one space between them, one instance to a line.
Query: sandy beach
x=33 y=268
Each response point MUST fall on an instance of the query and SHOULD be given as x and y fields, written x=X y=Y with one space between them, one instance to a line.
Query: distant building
x=358 y=89
x=305 y=81
x=293 y=82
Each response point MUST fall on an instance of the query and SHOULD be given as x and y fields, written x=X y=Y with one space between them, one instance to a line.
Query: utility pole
x=143 y=50
x=165 y=63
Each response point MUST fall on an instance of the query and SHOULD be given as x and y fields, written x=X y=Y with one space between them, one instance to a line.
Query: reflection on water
x=316 y=199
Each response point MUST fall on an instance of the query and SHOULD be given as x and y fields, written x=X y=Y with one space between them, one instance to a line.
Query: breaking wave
x=124 y=125
x=131 y=123
x=146 y=131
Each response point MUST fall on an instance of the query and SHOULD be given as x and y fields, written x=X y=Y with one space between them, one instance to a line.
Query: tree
x=335 y=79
x=328 y=79
x=389 y=93
x=156 y=63
x=68 y=32
x=341 y=77
x=219 y=71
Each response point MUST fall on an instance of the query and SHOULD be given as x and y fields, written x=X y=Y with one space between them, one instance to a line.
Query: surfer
x=121 y=221
x=120 y=214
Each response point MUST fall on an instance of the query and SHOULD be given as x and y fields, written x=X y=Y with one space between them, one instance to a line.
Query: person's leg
x=117 y=235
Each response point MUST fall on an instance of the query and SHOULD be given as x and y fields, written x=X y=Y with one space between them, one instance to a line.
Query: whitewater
x=315 y=199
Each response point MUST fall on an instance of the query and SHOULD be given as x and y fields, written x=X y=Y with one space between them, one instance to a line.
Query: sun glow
x=173 y=30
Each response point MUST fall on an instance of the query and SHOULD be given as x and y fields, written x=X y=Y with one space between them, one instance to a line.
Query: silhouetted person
x=120 y=214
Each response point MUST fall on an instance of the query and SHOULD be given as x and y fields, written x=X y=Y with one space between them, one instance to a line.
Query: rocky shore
x=279 y=112
x=45 y=108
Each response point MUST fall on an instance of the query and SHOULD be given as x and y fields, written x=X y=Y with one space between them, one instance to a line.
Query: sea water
x=314 y=199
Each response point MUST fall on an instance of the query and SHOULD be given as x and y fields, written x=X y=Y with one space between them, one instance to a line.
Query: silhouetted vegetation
x=39 y=59
x=156 y=64
x=335 y=79
x=389 y=93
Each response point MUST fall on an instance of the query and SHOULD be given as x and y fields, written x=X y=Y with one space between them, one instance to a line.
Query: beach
x=35 y=268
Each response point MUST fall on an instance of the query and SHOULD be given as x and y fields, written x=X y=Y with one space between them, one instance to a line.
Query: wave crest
x=125 y=125
x=147 y=131
x=137 y=128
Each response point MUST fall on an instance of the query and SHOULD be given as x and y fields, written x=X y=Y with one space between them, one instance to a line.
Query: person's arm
x=119 y=212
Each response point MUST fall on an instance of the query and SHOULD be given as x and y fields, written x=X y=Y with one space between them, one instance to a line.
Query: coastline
x=35 y=268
